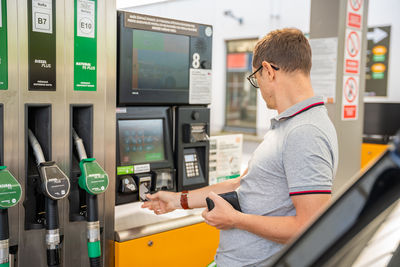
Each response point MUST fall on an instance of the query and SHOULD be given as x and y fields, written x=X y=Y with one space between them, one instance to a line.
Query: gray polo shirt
x=299 y=155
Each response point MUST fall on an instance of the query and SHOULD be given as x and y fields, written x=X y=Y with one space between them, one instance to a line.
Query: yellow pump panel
x=370 y=152
x=193 y=245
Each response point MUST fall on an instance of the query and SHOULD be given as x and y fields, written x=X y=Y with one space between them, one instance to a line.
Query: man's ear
x=269 y=70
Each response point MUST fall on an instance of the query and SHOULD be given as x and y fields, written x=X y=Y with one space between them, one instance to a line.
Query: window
x=241 y=97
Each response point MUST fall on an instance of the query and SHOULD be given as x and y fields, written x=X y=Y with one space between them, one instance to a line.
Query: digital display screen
x=160 y=60
x=189 y=158
x=141 y=141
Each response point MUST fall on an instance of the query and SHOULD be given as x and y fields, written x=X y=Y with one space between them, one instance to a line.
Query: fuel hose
x=93 y=224
x=4 y=237
x=52 y=223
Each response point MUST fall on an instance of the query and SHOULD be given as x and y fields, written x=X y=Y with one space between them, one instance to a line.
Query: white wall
x=382 y=13
x=259 y=17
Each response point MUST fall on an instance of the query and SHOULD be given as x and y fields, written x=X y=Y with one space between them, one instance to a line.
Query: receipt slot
x=192 y=146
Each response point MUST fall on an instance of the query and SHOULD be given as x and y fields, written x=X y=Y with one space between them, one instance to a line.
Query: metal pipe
x=37 y=149
x=80 y=148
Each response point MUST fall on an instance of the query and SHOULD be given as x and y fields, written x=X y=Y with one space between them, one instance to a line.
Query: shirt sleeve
x=308 y=161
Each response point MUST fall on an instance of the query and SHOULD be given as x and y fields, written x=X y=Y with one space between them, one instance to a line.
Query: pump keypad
x=191 y=165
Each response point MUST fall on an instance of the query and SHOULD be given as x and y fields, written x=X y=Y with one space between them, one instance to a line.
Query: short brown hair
x=287 y=48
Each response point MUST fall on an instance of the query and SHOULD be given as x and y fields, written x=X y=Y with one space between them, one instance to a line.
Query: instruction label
x=85 y=45
x=3 y=46
x=41 y=45
x=146 y=22
x=225 y=157
x=141 y=168
x=200 y=86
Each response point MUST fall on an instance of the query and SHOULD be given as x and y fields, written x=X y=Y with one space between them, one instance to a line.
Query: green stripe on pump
x=94 y=249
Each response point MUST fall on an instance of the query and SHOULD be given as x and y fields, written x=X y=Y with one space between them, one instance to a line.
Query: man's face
x=266 y=88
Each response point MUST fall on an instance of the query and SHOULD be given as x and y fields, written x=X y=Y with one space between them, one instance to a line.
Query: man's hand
x=162 y=202
x=222 y=216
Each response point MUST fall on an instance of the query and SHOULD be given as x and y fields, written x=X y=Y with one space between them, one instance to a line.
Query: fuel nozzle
x=10 y=194
x=94 y=180
x=55 y=185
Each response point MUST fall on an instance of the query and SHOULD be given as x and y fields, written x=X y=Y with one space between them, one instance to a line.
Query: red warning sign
x=353 y=44
x=350 y=97
x=350 y=89
x=354 y=20
x=356 y=4
x=352 y=51
x=354 y=14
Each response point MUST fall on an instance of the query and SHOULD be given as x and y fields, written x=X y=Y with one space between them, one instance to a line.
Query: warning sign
x=354 y=13
x=352 y=53
x=350 y=97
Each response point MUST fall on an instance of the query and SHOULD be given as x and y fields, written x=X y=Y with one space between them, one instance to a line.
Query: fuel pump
x=94 y=181
x=10 y=194
x=55 y=185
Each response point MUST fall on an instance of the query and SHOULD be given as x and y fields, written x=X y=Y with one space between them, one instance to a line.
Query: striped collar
x=298 y=108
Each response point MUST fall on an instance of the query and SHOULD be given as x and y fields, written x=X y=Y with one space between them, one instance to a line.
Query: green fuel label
x=10 y=189
x=3 y=46
x=121 y=170
x=85 y=47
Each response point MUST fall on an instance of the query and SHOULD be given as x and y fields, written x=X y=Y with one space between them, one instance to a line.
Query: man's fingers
x=204 y=214
x=214 y=197
x=152 y=196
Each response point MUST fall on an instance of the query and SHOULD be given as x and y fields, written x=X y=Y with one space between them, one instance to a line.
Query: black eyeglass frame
x=251 y=76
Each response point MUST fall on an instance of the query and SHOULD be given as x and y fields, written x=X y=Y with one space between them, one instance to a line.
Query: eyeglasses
x=252 y=77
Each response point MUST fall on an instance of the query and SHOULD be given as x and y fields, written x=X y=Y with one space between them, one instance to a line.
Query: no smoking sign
x=350 y=97
x=352 y=53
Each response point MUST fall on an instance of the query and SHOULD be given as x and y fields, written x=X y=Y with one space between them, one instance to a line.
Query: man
x=289 y=176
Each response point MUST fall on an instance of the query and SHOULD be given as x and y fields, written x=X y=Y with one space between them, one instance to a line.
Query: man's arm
x=163 y=201
x=197 y=198
x=275 y=228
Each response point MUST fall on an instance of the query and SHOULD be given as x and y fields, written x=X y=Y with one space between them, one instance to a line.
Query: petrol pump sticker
x=10 y=190
x=350 y=97
x=200 y=86
x=86 y=18
x=85 y=45
x=354 y=13
x=352 y=54
x=42 y=16
x=141 y=168
x=3 y=46
x=42 y=45
x=96 y=177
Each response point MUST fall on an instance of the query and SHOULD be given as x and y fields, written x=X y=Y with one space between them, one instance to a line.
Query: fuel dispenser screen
x=141 y=141
x=160 y=60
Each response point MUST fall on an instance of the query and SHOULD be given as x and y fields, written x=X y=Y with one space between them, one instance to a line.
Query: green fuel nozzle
x=94 y=180
x=10 y=195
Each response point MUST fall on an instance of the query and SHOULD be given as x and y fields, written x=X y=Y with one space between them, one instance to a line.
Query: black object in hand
x=231 y=197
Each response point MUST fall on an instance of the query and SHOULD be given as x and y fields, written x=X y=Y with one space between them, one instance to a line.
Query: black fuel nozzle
x=55 y=185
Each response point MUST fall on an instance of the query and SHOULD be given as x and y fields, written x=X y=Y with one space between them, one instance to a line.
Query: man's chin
x=270 y=106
